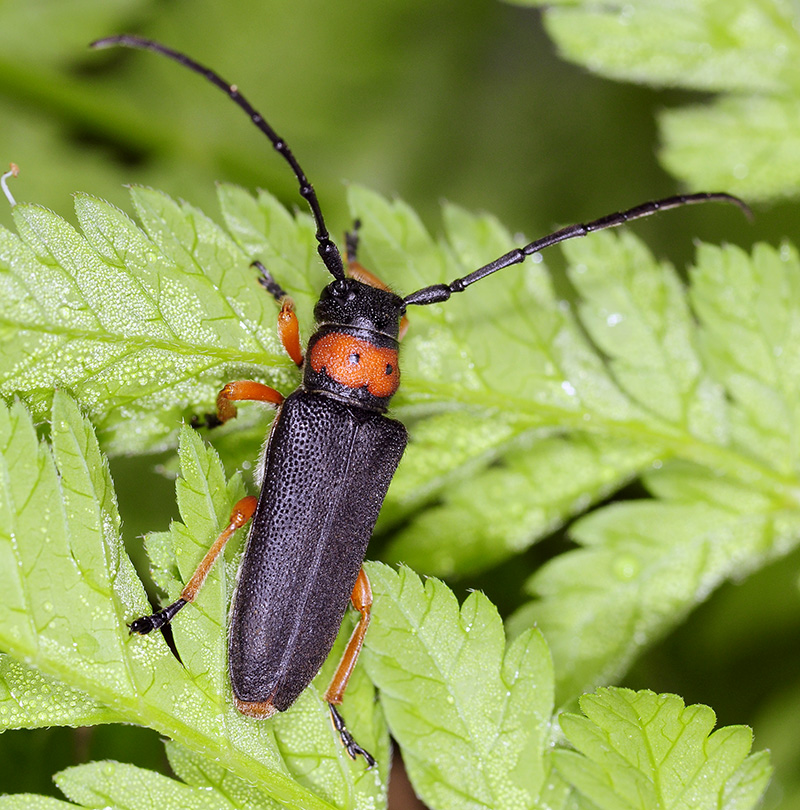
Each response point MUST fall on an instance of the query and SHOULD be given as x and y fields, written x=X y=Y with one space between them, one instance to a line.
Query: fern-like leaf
x=642 y=750
x=70 y=589
x=746 y=141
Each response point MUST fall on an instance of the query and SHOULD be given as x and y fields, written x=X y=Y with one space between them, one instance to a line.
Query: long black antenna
x=327 y=248
x=441 y=292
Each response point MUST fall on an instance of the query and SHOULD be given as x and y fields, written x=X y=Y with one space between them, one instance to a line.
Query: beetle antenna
x=441 y=292
x=327 y=248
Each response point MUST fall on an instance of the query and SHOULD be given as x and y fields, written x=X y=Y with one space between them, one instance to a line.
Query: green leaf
x=29 y=699
x=747 y=145
x=725 y=413
x=472 y=718
x=505 y=508
x=129 y=322
x=511 y=456
x=749 y=308
x=746 y=787
x=636 y=313
x=126 y=787
x=209 y=776
x=744 y=142
x=643 y=750
x=650 y=563
x=70 y=590
x=705 y=45
x=520 y=416
x=87 y=573
x=30 y=801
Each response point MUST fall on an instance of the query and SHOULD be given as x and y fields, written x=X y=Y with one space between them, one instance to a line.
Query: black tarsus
x=267 y=281
x=436 y=293
x=207 y=420
x=146 y=624
x=327 y=248
x=350 y=745
x=351 y=239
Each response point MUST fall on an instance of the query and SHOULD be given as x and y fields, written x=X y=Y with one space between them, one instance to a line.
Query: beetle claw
x=353 y=749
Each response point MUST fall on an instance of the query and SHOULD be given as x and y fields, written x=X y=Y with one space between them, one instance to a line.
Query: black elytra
x=342 y=458
x=329 y=460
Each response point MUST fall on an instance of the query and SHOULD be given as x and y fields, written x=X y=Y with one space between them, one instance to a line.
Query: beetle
x=329 y=458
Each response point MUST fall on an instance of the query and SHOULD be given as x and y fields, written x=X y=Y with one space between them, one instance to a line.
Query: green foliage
x=524 y=412
x=642 y=750
x=746 y=141
x=70 y=589
x=472 y=715
x=657 y=394
x=124 y=327
x=723 y=474
x=472 y=720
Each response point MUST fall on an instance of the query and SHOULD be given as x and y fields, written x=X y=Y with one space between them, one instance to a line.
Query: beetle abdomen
x=326 y=473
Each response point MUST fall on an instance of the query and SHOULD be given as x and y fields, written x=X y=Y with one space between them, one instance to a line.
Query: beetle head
x=348 y=302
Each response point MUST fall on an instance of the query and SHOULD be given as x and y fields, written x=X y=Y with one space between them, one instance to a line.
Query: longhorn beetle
x=329 y=460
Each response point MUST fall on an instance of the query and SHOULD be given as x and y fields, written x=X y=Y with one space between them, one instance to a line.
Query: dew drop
x=626 y=567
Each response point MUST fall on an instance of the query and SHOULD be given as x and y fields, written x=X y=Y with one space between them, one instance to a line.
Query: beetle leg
x=240 y=514
x=350 y=745
x=288 y=328
x=362 y=602
x=255 y=391
x=269 y=283
x=351 y=240
x=244 y=390
x=237 y=391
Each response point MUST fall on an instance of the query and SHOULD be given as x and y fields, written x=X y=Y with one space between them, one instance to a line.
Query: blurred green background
x=464 y=101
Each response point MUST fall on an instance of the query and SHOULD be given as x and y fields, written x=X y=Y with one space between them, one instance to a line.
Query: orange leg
x=241 y=513
x=289 y=330
x=362 y=602
x=244 y=390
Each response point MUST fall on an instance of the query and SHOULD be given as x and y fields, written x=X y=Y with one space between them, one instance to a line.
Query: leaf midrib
x=674 y=442
x=138 y=342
